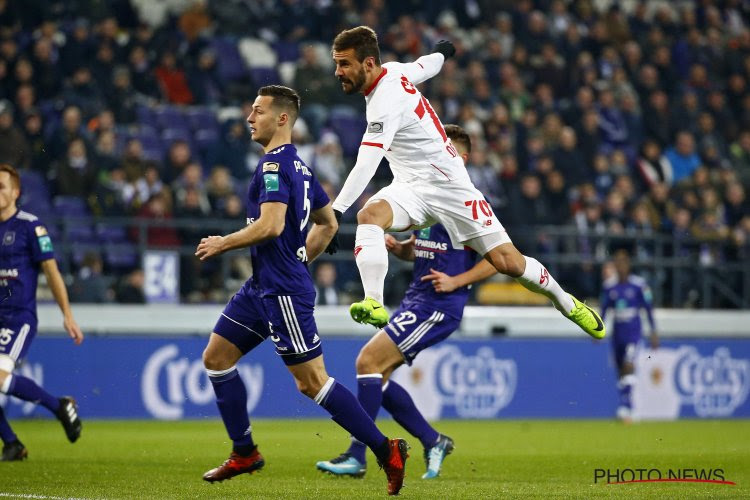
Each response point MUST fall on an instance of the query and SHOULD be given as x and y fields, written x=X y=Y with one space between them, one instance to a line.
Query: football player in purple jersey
x=429 y=313
x=26 y=249
x=277 y=301
x=627 y=295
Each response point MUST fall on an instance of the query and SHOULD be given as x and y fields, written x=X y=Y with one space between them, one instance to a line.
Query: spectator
x=325 y=285
x=13 y=146
x=90 y=285
x=130 y=289
x=76 y=174
x=654 y=167
x=203 y=78
x=682 y=156
x=172 y=80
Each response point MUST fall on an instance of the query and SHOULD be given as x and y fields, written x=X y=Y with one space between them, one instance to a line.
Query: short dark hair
x=14 y=177
x=458 y=136
x=284 y=98
x=362 y=39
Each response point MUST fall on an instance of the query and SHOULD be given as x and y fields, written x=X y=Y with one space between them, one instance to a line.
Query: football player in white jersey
x=430 y=183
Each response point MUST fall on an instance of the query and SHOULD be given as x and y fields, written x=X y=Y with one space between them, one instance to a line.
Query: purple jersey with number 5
x=280 y=264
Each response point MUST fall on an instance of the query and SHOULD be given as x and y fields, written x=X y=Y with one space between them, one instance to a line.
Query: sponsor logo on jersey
x=375 y=127
x=9 y=238
x=271 y=181
x=40 y=230
x=270 y=166
x=45 y=243
x=8 y=273
x=434 y=245
x=425 y=233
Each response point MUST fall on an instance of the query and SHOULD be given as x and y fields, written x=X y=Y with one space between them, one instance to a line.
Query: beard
x=354 y=85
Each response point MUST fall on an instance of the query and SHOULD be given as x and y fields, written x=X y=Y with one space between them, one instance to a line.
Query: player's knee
x=215 y=360
x=364 y=363
x=309 y=386
x=508 y=261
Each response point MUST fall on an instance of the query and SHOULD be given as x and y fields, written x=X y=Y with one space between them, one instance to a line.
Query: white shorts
x=460 y=207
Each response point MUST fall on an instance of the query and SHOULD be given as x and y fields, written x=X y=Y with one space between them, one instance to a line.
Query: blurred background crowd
x=588 y=119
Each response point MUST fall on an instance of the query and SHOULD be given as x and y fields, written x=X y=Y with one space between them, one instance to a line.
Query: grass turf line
x=537 y=458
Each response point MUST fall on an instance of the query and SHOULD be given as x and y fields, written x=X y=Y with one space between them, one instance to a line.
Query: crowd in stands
x=632 y=121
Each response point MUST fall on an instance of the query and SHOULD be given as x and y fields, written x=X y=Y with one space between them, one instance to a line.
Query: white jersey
x=402 y=122
x=403 y=127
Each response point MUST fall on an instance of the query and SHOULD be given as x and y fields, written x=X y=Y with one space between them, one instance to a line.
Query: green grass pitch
x=493 y=459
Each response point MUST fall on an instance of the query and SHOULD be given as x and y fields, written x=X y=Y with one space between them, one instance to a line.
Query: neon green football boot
x=588 y=319
x=369 y=311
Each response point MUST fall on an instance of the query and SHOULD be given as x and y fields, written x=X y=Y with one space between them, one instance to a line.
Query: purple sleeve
x=647 y=303
x=274 y=186
x=40 y=243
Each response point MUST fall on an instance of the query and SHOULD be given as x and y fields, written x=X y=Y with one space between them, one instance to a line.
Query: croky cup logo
x=478 y=386
x=714 y=385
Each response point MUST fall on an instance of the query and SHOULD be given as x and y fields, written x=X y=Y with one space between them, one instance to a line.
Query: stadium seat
x=349 y=126
x=228 y=59
x=79 y=233
x=206 y=138
x=170 y=135
x=286 y=51
x=171 y=117
x=146 y=116
x=265 y=76
x=70 y=206
x=200 y=118
x=109 y=233
x=257 y=54
x=121 y=257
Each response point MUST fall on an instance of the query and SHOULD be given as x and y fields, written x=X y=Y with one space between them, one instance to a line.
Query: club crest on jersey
x=375 y=127
x=9 y=238
x=270 y=166
x=271 y=181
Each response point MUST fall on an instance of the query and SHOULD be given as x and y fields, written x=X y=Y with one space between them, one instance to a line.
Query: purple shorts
x=416 y=327
x=624 y=352
x=17 y=330
x=248 y=319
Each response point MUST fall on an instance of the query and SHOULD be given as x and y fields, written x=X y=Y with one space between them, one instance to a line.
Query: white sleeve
x=383 y=121
x=423 y=68
x=368 y=159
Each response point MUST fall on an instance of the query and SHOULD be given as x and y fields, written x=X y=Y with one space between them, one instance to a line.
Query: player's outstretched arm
x=269 y=225
x=444 y=283
x=324 y=229
x=404 y=250
x=57 y=286
x=429 y=65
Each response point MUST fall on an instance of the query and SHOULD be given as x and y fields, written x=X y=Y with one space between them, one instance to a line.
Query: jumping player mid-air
x=627 y=294
x=430 y=183
x=26 y=248
x=430 y=312
x=277 y=302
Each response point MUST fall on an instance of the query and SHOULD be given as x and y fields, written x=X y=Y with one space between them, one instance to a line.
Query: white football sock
x=372 y=259
x=537 y=279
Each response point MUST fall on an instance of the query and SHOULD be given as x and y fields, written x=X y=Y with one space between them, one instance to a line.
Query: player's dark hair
x=14 y=177
x=362 y=39
x=284 y=98
x=458 y=136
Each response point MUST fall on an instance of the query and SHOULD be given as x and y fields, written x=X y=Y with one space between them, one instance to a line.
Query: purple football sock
x=400 y=405
x=231 y=398
x=28 y=390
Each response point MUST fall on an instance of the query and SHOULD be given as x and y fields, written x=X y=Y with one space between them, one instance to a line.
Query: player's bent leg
x=372 y=260
x=376 y=359
x=530 y=273
x=220 y=359
x=346 y=411
x=625 y=383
